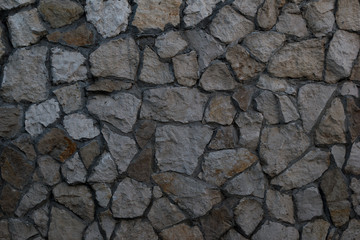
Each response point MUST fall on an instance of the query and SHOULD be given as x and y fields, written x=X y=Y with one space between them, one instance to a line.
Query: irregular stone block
x=135 y=229
x=181 y=231
x=170 y=44
x=74 y=170
x=217 y=77
x=186 y=68
x=308 y=204
x=220 y=110
x=248 y=214
x=80 y=126
x=280 y=206
x=80 y=36
x=197 y=10
x=348 y=15
x=273 y=230
x=10 y=121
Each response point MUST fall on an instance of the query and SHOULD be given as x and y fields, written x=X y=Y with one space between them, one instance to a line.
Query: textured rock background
x=179 y=119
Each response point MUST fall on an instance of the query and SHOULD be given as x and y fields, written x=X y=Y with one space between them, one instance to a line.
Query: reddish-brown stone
x=80 y=36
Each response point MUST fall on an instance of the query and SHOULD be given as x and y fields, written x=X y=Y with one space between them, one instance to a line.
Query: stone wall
x=179 y=119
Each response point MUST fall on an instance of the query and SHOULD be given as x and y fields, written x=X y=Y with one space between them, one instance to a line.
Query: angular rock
x=74 y=170
x=263 y=44
x=173 y=104
x=7 y=5
x=60 y=13
x=280 y=206
x=49 y=169
x=56 y=144
x=348 y=15
x=34 y=196
x=229 y=26
x=103 y=193
x=197 y=10
x=338 y=152
x=105 y=171
x=67 y=66
x=89 y=152
x=141 y=168
x=298 y=60
x=181 y=231
x=9 y=199
x=355 y=197
x=122 y=148
x=26 y=76
x=21 y=230
x=250 y=124
x=355 y=73
x=186 y=68
x=135 y=229
x=248 y=214
x=107 y=85
x=353 y=110
x=350 y=89
x=267 y=104
x=267 y=14
x=293 y=24
x=219 y=220
x=226 y=137
x=70 y=97
x=316 y=230
x=179 y=147
x=93 y=232
x=107 y=223
x=77 y=198
x=250 y=182
x=10 y=121
x=320 y=17
x=247 y=7
x=157 y=193
x=15 y=169
x=233 y=235
x=109 y=17
x=308 y=204
x=352 y=232
x=205 y=45
x=275 y=84
x=287 y=108
x=64 y=225
x=243 y=96
x=331 y=129
x=116 y=58
x=144 y=132
x=306 y=170
x=156 y=14
x=130 y=199
x=80 y=126
x=280 y=145
x=170 y=44
x=25 y=144
x=220 y=166
x=153 y=71
x=220 y=110
x=120 y=110
x=273 y=230
x=26 y=28
x=4 y=229
x=81 y=36
x=353 y=165
x=343 y=50
x=164 y=214
x=217 y=77
x=195 y=196
x=39 y=116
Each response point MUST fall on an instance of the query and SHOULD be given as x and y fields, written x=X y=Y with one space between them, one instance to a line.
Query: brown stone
x=107 y=85
x=217 y=222
x=14 y=168
x=243 y=96
x=181 y=231
x=56 y=144
x=9 y=198
x=89 y=152
x=220 y=110
x=80 y=36
x=140 y=168
x=353 y=111
x=10 y=121
x=225 y=137
x=24 y=143
x=144 y=132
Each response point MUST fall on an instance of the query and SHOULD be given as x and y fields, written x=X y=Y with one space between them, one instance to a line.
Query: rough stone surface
x=355 y=197
x=352 y=232
x=267 y=104
x=243 y=96
x=248 y=7
x=217 y=77
x=141 y=168
x=89 y=152
x=10 y=121
x=105 y=171
x=316 y=230
x=14 y=4
x=109 y=17
x=49 y=169
x=280 y=206
x=225 y=137
x=308 y=203
x=107 y=223
x=70 y=97
x=93 y=232
x=181 y=231
x=217 y=222
x=170 y=44
x=292 y=23
x=80 y=36
x=275 y=84
x=248 y=214
x=9 y=199
x=220 y=110
x=26 y=76
x=273 y=230
x=197 y=10
x=355 y=73
x=21 y=230
x=267 y=14
x=34 y=196
x=135 y=229
x=319 y=17
x=353 y=165
x=130 y=199
x=338 y=152
x=108 y=86
x=348 y=15
x=80 y=126
x=144 y=132
x=102 y=193
x=350 y=89
x=288 y=109
x=4 y=229
x=233 y=235
x=250 y=123
x=353 y=109
x=74 y=170
x=186 y=68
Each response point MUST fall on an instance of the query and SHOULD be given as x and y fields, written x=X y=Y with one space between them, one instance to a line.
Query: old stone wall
x=179 y=119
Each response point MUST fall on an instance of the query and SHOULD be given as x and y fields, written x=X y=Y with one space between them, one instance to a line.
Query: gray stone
x=355 y=73
x=320 y=17
x=244 y=66
x=229 y=26
x=267 y=15
x=331 y=128
x=21 y=230
x=135 y=229
x=70 y=97
x=77 y=198
x=350 y=89
x=218 y=221
x=74 y=170
x=348 y=15
x=179 y=147
x=10 y=121
x=353 y=116
x=186 y=68
x=130 y=199
x=299 y=59
x=225 y=137
x=217 y=77
x=353 y=230
x=273 y=231
x=108 y=86
x=292 y=24
x=206 y=46
x=64 y=225
x=243 y=96
x=164 y=214
x=122 y=148
x=170 y=44
x=102 y=193
x=156 y=14
x=343 y=50
x=195 y=196
x=263 y=44
x=197 y=10
x=308 y=204
x=355 y=197
x=67 y=66
x=109 y=17
x=105 y=171
x=312 y=100
x=280 y=206
x=250 y=182
x=267 y=104
x=316 y=230
x=179 y=104
x=287 y=108
x=248 y=7
x=116 y=58
x=157 y=193
x=220 y=110
x=41 y=219
x=275 y=84
x=4 y=229
x=222 y=165
x=248 y=214
x=250 y=124
x=182 y=231
x=34 y=196
x=233 y=235
x=26 y=28
x=89 y=152
x=153 y=71
x=39 y=116
x=93 y=232
x=107 y=223
x=120 y=109
x=7 y=5
x=144 y=132
x=306 y=170
x=3 y=49
x=26 y=76
x=353 y=165
x=338 y=152
x=80 y=126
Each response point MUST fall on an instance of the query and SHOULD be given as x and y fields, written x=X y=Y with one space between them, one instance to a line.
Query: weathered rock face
x=70 y=97
x=275 y=84
x=196 y=11
x=49 y=169
x=103 y=194
x=250 y=123
x=181 y=231
x=36 y=194
x=320 y=17
x=135 y=229
x=217 y=222
x=248 y=214
x=186 y=68
x=267 y=104
x=280 y=206
x=267 y=14
x=170 y=44
x=247 y=7
x=6 y=5
x=21 y=230
x=315 y=230
x=74 y=170
x=352 y=232
x=352 y=165
x=243 y=96
x=9 y=199
x=217 y=77
x=10 y=121
x=220 y=110
x=354 y=121
x=105 y=171
x=225 y=137
x=309 y=203
x=83 y=35
x=80 y=126
x=347 y=16
x=274 y=230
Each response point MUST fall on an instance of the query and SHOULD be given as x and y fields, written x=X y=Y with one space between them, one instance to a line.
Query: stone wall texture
x=179 y=119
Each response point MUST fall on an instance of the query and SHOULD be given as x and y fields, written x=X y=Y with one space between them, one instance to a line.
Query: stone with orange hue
x=220 y=110
x=78 y=37
x=107 y=85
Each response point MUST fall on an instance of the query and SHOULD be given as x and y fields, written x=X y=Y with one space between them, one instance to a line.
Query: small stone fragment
x=338 y=152
x=308 y=204
x=267 y=15
x=273 y=231
x=292 y=23
x=49 y=170
x=217 y=222
x=320 y=17
x=250 y=124
x=248 y=214
x=144 y=132
x=352 y=232
x=130 y=199
x=217 y=77
x=102 y=193
x=10 y=121
x=181 y=231
x=243 y=96
x=353 y=110
x=80 y=126
x=247 y=7
x=136 y=230
x=153 y=71
x=9 y=199
x=26 y=28
x=21 y=230
x=39 y=116
x=287 y=108
x=280 y=206
x=105 y=171
x=267 y=104
x=78 y=37
x=275 y=84
x=170 y=44
x=225 y=137
x=348 y=15
x=197 y=10
x=220 y=110
x=316 y=230
x=34 y=196
x=93 y=232
x=74 y=170
x=353 y=164
x=186 y=68
x=109 y=17
x=141 y=168
x=350 y=89
x=9 y=4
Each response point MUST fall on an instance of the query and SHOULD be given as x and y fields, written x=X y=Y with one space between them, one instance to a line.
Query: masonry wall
x=179 y=119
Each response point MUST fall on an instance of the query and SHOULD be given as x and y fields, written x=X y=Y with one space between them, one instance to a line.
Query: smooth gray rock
x=36 y=194
x=220 y=110
x=107 y=223
x=350 y=89
x=217 y=77
x=135 y=229
x=280 y=206
x=250 y=124
x=308 y=204
x=338 y=152
x=80 y=126
x=41 y=219
x=186 y=68
x=70 y=97
x=248 y=214
x=105 y=171
x=170 y=43
x=74 y=170
x=197 y=10
x=273 y=231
